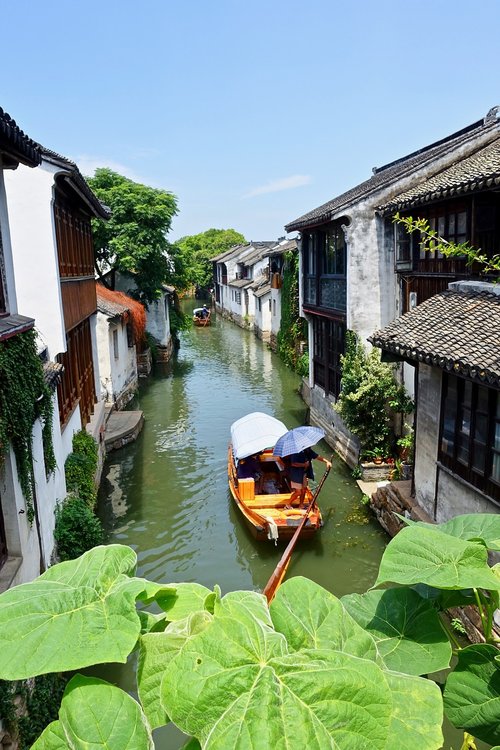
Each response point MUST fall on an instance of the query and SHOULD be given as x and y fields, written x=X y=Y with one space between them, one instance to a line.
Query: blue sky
x=252 y=112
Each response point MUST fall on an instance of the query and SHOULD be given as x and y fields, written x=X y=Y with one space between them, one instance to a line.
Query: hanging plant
x=24 y=398
x=293 y=327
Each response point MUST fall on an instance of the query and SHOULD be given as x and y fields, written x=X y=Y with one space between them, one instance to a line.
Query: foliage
x=348 y=671
x=24 y=398
x=197 y=250
x=43 y=698
x=293 y=329
x=84 y=444
x=369 y=395
x=431 y=241
x=77 y=529
x=79 y=470
x=134 y=239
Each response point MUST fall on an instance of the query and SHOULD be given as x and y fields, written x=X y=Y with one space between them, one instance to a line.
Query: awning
x=254 y=433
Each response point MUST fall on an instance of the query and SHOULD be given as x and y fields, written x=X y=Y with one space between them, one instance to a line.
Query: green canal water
x=167 y=496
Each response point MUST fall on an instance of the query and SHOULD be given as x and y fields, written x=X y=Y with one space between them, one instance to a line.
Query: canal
x=167 y=496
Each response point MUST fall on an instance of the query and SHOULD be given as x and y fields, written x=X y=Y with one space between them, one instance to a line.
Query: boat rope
x=272 y=530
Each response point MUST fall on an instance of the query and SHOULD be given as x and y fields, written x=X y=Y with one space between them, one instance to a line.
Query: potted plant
x=405 y=445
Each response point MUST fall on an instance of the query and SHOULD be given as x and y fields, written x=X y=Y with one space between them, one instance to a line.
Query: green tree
x=307 y=671
x=134 y=240
x=198 y=249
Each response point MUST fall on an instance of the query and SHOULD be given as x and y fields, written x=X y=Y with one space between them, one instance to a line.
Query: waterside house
x=239 y=274
x=116 y=344
x=452 y=340
x=357 y=272
x=45 y=208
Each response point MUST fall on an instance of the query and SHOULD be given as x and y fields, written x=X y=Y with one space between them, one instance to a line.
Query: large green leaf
x=78 y=613
x=185 y=598
x=236 y=686
x=420 y=554
x=95 y=714
x=240 y=603
x=472 y=526
x=406 y=628
x=472 y=692
x=311 y=617
x=155 y=653
x=52 y=738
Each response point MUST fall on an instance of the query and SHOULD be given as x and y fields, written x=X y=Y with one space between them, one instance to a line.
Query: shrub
x=84 y=444
x=79 y=470
x=77 y=529
x=369 y=397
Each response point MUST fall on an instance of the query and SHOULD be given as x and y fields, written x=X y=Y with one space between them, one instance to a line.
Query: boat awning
x=254 y=433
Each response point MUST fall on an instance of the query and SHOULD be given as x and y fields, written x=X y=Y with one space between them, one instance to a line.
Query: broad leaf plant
x=309 y=671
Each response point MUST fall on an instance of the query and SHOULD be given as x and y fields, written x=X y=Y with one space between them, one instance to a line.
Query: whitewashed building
x=238 y=273
x=116 y=347
x=157 y=313
x=356 y=272
x=49 y=276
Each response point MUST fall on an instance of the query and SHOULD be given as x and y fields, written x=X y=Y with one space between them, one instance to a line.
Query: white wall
x=116 y=374
x=10 y=289
x=30 y=199
x=158 y=320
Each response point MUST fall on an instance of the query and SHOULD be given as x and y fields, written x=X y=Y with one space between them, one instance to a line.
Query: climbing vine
x=24 y=398
x=293 y=327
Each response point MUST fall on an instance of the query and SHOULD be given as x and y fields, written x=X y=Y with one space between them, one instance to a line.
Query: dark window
x=328 y=347
x=470 y=433
x=324 y=259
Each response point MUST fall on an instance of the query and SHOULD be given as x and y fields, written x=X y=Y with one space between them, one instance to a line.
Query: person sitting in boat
x=204 y=312
x=249 y=468
x=301 y=469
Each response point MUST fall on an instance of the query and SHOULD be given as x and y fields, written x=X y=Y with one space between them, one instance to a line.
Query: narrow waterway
x=167 y=496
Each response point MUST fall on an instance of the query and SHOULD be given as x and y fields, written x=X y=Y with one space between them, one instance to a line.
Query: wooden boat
x=271 y=509
x=198 y=318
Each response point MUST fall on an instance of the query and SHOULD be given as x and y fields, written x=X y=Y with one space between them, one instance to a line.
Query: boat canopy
x=254 y=433
x=198 y=310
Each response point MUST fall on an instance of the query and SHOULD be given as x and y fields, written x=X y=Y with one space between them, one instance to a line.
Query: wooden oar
x=281 y=568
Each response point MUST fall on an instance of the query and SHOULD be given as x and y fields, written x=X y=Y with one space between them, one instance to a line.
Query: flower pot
x=377 y=460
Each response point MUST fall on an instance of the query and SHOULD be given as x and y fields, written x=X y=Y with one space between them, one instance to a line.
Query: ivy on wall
x=293 y=328
x=24 y=398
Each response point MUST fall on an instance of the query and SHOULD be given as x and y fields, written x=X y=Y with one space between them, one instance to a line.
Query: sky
x=252 y=112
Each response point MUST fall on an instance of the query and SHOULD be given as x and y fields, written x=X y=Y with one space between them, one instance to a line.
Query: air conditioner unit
x=412 y=300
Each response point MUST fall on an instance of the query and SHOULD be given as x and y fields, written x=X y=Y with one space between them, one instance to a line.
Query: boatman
x=301 y=469
x=204 y=312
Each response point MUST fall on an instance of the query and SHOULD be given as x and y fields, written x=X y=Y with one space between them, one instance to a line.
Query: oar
x=281 y=568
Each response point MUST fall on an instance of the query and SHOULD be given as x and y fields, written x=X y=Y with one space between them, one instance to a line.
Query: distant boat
x=199 y=319
x=270 y=508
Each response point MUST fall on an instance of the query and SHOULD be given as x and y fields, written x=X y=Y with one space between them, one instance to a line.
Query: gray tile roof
x=78 y=182
x=457 y=331
x=16 y=145
x=282 y=247
x=52 y=373
x=111 y=308
x=245 y=251
x=11 y=325
x=240 y=283
x=479 y=171
x=384 y=176
x=262 y=289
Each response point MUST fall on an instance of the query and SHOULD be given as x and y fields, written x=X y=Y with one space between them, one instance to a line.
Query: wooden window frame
x=328 y=347
x=466 y=430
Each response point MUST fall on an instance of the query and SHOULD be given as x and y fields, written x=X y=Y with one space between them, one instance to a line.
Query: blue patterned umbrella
x=294 y=441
